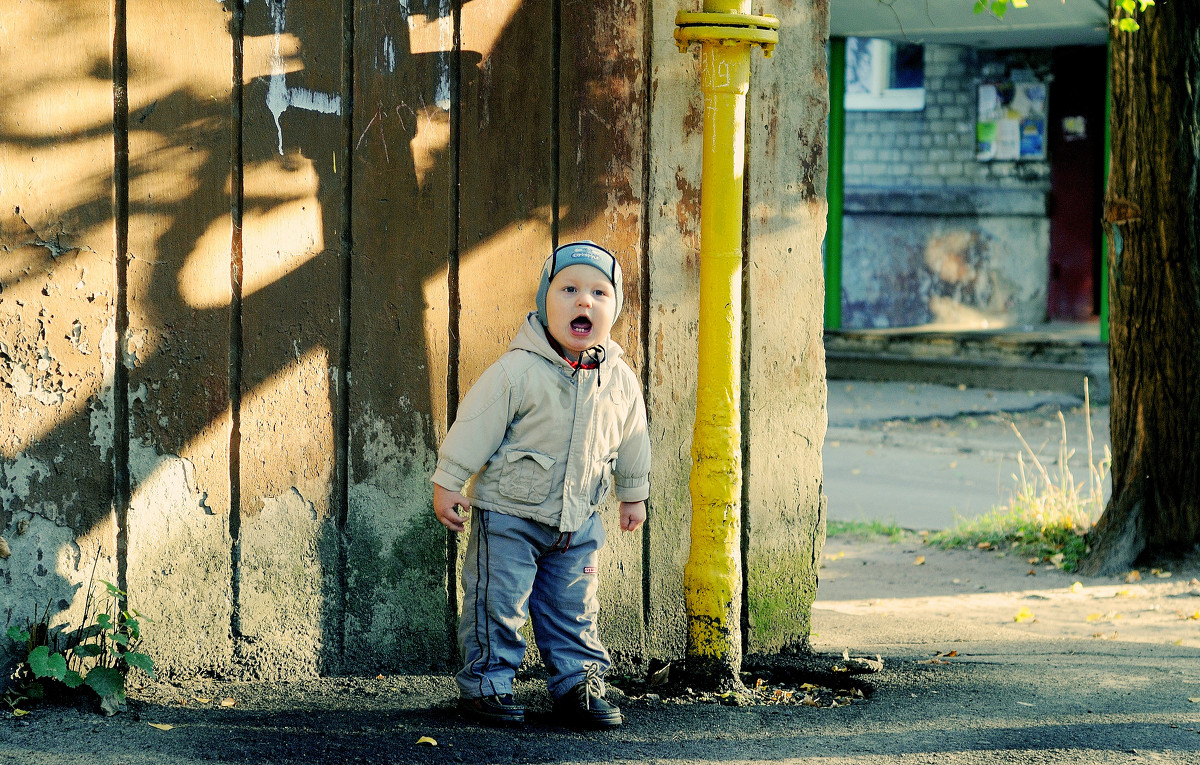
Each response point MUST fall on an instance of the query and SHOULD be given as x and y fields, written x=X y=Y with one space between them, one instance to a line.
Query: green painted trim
x=1104 y=277
x=835 y=185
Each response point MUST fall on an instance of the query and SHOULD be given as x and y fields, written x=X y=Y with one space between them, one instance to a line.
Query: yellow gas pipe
x=712 y=576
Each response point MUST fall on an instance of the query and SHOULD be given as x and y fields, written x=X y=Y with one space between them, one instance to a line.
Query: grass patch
x=866 y=530
x=1050 y=514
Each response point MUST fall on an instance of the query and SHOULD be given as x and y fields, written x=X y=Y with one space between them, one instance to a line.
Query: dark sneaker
x=584 y=705
x=500 y=710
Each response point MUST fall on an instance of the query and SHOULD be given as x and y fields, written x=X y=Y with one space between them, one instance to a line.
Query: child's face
x=580 y=308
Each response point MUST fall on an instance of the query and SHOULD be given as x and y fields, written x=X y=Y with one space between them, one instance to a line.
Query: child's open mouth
x=581 y=325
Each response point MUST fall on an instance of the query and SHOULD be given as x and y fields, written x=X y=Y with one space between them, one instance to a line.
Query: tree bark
x=1152 y=219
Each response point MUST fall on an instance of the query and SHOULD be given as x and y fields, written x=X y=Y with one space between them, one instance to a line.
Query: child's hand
x=633 y=515
x=446 y=505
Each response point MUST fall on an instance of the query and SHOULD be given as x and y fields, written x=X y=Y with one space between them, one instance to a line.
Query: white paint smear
x=389 y=53
x=279 y=96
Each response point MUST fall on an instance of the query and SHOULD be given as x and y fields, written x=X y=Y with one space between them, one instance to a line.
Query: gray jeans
x=512 y=565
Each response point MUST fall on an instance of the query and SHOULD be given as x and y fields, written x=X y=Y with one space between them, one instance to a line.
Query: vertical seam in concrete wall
x=556 y=162
x=342 y=382
x=744 y=397
x=236 y=207
x=644 y=329
x=454 y=310
x=121 y=487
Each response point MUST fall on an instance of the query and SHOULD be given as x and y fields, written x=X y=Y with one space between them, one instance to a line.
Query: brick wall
x=936 y=146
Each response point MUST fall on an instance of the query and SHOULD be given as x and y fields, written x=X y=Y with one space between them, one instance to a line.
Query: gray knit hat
x=579 y=253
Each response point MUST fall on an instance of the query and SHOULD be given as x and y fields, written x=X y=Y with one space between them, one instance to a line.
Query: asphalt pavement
x=922 y=455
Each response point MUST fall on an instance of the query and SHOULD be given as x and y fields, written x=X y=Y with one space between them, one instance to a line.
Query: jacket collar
x=532 y=337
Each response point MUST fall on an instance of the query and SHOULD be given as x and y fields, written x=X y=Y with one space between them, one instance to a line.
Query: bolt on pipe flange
x=726 y=28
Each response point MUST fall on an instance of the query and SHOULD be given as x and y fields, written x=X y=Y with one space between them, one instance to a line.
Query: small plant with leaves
x=98 y=655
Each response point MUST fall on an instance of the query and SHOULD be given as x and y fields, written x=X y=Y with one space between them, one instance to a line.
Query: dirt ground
x=910 y=582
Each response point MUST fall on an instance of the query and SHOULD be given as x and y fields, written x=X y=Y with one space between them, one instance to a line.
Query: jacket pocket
x=526 y=476
x=605 y=485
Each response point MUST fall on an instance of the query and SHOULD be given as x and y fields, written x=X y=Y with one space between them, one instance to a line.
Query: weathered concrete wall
x=931 y=236
x=58 y=338
x=783 y=390
x=227 y=357
x=177 y=345
x=950 y=257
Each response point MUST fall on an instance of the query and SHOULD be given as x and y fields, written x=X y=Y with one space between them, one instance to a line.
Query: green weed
x=1049 y=514
x=867 y=530
x=97 y=656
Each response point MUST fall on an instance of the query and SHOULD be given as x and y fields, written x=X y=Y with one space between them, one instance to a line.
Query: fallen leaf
x=379 y=677
x=1033 y=560
x=227 y=702
x=1195 y=616
x=1125 y=594
x=1030 y=572
x=161 y=726
x=1094 y=617
x=1160 y=573
x=836 y=556
x=1024 y=615
x=20 y=712
x=984 y=545
x=1195 y=699
x=1077 y=588
x=426 y=741
x=920 y=561
x=1133 y=576
x=660 y=676
x=203 y=700
x=1026 y=704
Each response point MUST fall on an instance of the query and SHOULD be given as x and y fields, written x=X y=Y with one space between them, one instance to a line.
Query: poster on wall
x=1012 y=121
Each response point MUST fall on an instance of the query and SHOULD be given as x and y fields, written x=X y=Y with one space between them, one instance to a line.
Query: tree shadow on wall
x=274 y=556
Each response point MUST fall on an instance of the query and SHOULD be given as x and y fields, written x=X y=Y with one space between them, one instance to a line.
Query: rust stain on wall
x=687 y=210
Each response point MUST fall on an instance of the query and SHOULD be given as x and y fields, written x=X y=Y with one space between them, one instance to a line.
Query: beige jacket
x=547 y=442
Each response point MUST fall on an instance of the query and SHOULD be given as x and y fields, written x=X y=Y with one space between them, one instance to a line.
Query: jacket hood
x=532 y=337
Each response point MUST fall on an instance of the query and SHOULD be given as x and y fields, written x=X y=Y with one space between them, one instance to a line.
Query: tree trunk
x=1152 y=219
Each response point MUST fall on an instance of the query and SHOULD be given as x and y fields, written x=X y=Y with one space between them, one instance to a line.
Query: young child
x=546 y=431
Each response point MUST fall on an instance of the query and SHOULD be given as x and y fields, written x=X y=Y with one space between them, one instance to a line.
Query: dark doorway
x=1076 y=144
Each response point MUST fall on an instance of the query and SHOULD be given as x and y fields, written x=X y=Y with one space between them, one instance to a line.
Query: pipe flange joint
x=727 y=29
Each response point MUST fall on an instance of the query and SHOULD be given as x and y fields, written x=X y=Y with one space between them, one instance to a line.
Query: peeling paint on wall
x=288 y=589
x=176 y=544
x=48 y=567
